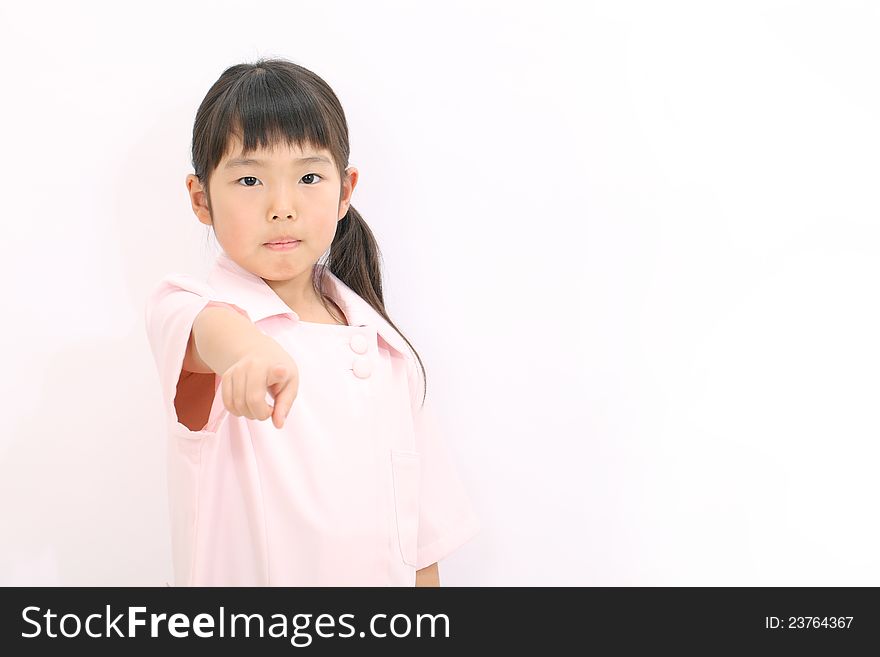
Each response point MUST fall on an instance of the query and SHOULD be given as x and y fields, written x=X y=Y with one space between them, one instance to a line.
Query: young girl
x=350 y=482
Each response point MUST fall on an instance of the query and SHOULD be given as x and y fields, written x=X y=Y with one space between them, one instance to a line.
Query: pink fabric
x=358 y=488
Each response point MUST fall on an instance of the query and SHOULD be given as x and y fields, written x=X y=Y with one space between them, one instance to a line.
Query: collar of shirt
x=251 y=293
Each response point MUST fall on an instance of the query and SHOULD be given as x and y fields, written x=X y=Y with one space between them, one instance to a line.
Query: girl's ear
x=199 y=199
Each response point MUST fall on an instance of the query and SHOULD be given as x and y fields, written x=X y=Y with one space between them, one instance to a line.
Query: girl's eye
x=255 y=178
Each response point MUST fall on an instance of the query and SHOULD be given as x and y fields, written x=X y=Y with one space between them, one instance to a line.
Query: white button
x=362 y=367
x=359 y=343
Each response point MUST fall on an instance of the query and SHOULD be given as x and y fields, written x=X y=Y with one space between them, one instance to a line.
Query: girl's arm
x=428 y=576
x=219 y=337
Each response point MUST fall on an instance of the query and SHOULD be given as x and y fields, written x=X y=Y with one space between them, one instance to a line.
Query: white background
x=635 y=243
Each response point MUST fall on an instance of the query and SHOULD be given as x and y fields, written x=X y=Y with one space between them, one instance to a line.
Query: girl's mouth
x=283 y=246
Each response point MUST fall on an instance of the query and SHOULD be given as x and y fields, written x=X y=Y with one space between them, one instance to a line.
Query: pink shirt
x=357 y=488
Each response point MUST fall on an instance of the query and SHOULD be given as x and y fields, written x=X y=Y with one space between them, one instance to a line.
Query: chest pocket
x=405 y=468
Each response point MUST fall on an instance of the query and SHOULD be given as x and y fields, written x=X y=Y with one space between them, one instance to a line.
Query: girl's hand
x=267 y=367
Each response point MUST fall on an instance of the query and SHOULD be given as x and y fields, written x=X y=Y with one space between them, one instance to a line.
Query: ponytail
x=355 y=259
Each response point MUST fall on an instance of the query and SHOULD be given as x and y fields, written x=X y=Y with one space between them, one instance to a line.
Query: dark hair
x=272 y=101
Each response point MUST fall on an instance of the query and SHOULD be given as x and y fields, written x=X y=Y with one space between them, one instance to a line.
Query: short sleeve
x=447 y=517
x=169 y=313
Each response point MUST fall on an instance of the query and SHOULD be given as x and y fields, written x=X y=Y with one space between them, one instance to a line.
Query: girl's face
x=274 y=194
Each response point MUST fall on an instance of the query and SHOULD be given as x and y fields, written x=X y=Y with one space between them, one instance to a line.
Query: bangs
x=264 y=110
